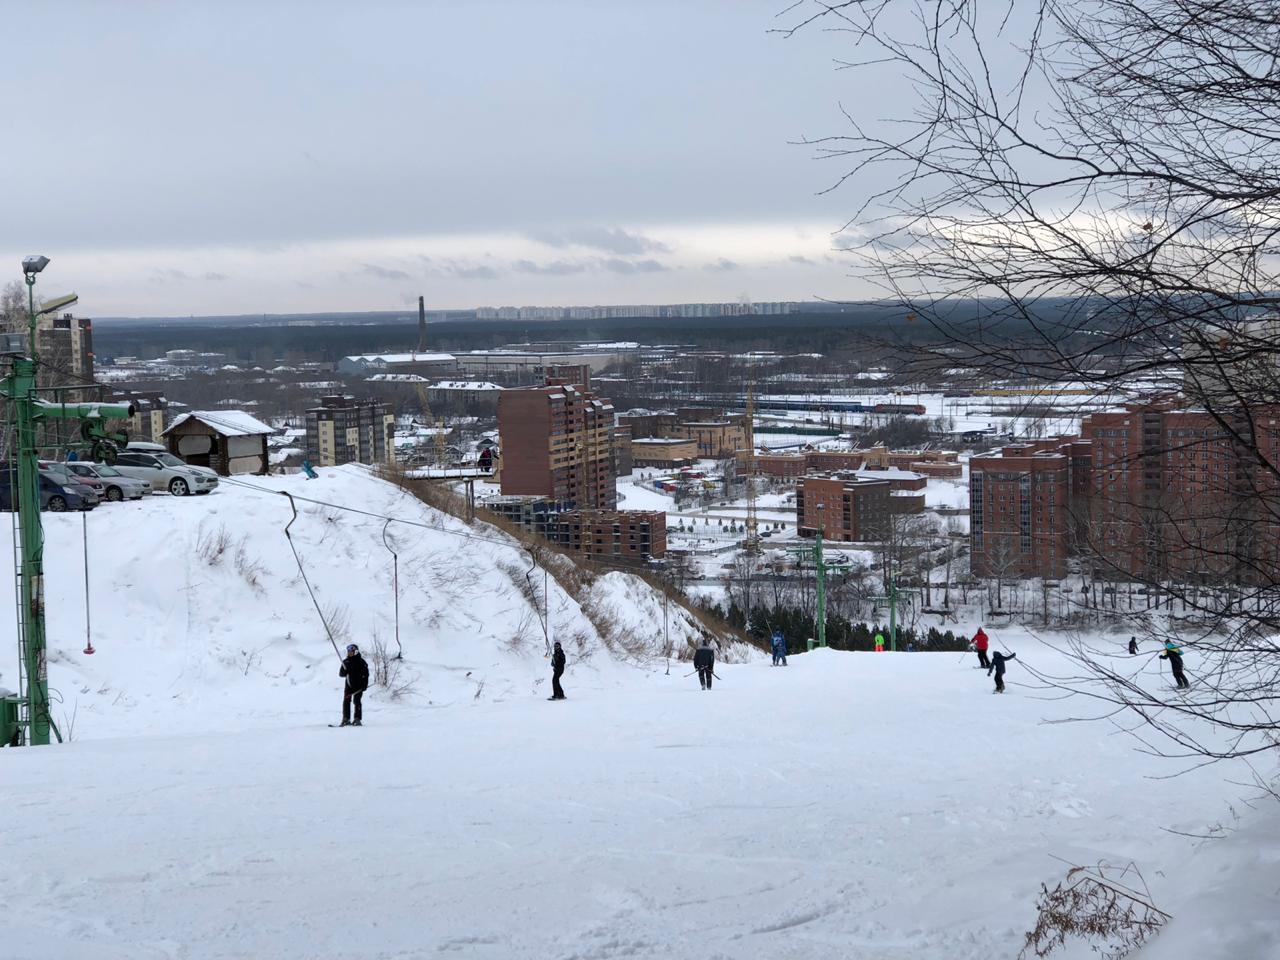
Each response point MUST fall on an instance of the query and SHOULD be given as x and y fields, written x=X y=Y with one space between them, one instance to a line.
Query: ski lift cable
x=302 y=570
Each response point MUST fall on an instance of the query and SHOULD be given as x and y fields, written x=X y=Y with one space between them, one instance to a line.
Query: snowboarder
x=356 y=671
x=980 y=643
x=1133 y=646
x=704 y=661
x=557 y=671
x=997 y=664
x=779 y=650
x=879 y=641
x=1173 y=653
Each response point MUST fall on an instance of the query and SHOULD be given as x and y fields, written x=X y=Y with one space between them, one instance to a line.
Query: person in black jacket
x=357 y=673
x=1173 y=653
x=1133 y=646
x=704 y=661
x=997 y=664
x=557 y=671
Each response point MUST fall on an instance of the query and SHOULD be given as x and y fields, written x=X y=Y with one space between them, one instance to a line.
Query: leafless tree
x=1088 y=192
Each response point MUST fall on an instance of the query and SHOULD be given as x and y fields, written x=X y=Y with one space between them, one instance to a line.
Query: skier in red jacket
x=980 y=644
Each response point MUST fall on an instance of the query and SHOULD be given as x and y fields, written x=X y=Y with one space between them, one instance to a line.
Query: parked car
x=59 y=472
x=169 y=474
x=69 y=484
x=161 y=452
x=53 y=495
x=116 y=486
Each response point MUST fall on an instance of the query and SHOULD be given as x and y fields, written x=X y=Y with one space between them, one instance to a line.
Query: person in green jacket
x=879 y=643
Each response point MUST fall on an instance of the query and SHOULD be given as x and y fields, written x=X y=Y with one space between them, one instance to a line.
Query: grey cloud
x=558 y=268
x=383 y=273
x=803 y=260
x=616 y=265
x=170 y=276
x=480 y=272
x=608 y=239
x=721 y=266
x=216 y=277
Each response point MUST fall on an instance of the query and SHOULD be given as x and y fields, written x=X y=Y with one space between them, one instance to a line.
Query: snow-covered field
x=878 y=807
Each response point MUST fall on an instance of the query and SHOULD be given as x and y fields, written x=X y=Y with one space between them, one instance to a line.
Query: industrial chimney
x=422 y=327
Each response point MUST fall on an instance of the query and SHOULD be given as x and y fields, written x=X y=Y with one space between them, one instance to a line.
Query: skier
x=704 y=661
x=779 y=650
x=557 y=671
x=356 y=671
x=1133 y=646
x=1173 y=653
x=879 y=641
x=980 y=643
x=997 y=664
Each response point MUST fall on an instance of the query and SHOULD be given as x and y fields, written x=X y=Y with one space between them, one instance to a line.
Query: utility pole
x=34 y=718
x=820 y=583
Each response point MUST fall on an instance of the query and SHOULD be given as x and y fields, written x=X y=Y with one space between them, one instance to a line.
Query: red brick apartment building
x=844 y=509
x=1151 y=491
x=556 y=443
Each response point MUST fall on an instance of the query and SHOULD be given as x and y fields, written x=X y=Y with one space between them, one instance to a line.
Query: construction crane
x=442 y=450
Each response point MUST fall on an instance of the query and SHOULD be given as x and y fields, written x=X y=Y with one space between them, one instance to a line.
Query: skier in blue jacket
x=779 y=651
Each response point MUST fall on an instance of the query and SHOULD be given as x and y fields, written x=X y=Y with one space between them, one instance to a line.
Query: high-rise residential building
x=1018 y=510
x=556 y=443
x=843 y=508
x=66 y=364
x=346 y=430
x=1155 y=490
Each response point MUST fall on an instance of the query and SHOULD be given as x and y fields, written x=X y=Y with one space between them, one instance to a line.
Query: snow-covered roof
x=401 y=357
x=465 y=385
x=395 y=378
x=229 y=423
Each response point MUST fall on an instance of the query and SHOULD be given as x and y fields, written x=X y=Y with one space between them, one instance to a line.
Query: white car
x=164 y=471
x=115 y=485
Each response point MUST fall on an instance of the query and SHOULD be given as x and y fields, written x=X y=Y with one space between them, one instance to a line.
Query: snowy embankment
x=878 y=807
x=201 y=619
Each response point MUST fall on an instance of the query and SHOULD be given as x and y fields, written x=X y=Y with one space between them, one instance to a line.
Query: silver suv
x=164 y=471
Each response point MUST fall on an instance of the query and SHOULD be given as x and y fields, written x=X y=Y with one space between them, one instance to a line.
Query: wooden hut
x=226 y=441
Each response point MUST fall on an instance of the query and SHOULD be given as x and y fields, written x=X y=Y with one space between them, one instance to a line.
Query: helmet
x=352 y=648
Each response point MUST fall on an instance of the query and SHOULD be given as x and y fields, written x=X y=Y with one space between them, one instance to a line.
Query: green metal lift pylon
x=35 y=720
x=820 y=589
x=892 y=600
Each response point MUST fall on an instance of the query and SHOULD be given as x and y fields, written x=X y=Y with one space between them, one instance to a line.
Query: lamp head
x=33 y=265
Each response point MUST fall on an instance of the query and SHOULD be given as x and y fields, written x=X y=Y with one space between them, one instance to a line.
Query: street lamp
x=30 y=267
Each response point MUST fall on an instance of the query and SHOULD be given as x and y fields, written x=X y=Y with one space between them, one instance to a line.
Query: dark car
x=53 y=495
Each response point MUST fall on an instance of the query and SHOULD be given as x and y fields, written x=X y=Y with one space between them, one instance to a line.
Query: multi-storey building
x=1153 y=491
x=556 y=443
x=66 y=365
x=629 y=535
x=844 y=509
x=346 y=430
x=723 y=435
x=1018 y=510
x=148 y=422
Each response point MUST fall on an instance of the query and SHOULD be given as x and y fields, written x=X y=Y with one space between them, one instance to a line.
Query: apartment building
x=624 y=535
x=148 y=422
x=1019 y=499
x=556 y=443
x=1153 y=490
x=343 y=429
x=845 y=509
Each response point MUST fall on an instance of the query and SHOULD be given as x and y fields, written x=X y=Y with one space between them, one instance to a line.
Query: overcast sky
x=273 y=157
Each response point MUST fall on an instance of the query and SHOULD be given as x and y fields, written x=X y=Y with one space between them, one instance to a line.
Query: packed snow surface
x=880 y=807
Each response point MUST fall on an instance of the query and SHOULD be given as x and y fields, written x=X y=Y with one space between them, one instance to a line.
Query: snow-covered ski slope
x=201 y=620
x=874 y=807
x=877 y=807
